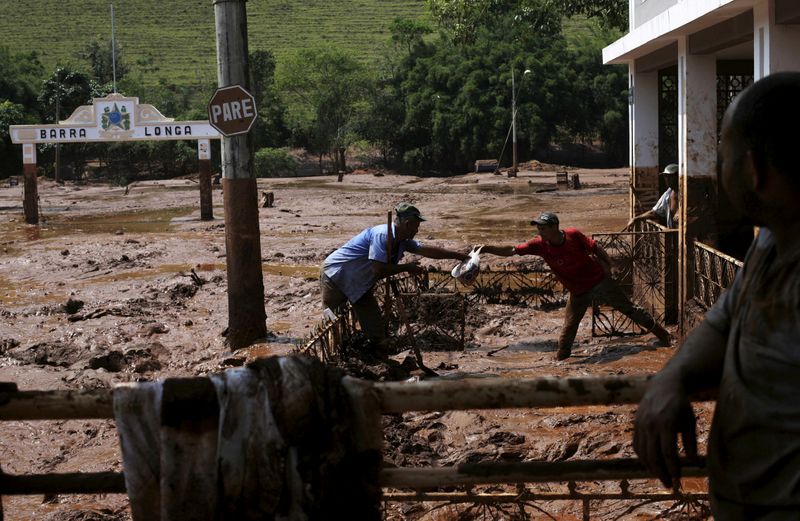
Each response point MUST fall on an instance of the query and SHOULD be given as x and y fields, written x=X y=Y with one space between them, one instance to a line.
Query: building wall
x=644 y=10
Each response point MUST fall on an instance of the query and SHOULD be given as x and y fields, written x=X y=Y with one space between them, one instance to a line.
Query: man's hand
x=414 y=267
x=664 y=412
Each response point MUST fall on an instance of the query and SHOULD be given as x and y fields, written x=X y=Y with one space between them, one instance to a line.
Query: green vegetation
x=430 y=93
x=274 y=162
x=176 y=39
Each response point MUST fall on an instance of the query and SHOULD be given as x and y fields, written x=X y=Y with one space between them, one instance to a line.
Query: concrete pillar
x=697 y=157
x=643 y=129
x=204 y=163
x=774 y=46
x=247 y=318
x=30 y=201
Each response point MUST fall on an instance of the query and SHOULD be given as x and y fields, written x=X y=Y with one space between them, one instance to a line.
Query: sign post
x=233 y=111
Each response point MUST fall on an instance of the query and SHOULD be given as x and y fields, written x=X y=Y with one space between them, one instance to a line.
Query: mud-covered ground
x=121 y=285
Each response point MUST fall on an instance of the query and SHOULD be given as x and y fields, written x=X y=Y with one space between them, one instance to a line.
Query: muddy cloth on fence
x=272 y=441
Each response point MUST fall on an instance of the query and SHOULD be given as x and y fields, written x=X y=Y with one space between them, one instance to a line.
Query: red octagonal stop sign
x=232 y=110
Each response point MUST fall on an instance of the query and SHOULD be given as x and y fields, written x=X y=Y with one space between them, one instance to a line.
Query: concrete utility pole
x=514 y=169
x=247 y=319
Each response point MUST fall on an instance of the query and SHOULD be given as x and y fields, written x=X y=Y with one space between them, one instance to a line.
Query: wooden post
x=527 y=472
x=204 y=160
x=500 y=393
x=366 y=408
x=247 y=318
x=393 y=397
x=30 y=201
x=387 y=303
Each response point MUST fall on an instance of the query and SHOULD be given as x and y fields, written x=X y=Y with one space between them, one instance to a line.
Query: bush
x=274 y=162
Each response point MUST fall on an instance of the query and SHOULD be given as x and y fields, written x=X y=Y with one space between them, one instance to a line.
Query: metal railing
x=713 y=273
x=374 y=399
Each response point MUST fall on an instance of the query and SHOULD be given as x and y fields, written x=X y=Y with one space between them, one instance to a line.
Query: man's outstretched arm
x=500 y=251
x=665 y=409
x=432 y=252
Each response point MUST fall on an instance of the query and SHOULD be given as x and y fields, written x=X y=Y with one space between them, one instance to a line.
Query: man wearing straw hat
x=351 y=271
x=666 y=208
x=584 y=268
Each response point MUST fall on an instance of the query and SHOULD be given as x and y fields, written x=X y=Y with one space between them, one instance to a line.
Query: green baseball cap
x=405 y=210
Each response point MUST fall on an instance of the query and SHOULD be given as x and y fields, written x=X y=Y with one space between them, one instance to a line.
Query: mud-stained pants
x=606 y=291
x=366 y=308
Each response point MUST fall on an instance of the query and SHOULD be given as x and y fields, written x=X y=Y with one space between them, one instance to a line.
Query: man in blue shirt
x=350 y=272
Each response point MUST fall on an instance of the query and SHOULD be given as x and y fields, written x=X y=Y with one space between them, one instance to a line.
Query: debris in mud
x=113 y=361
x=154 y=329
x=55 y=354
x=103 y=514
x=507 y=438
x=182 y=291
x=8 y=343
x=73 y=306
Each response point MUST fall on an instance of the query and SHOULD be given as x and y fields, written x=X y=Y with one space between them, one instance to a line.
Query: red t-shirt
x=571 y=262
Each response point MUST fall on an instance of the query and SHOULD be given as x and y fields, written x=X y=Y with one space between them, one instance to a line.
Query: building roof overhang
x=684 y=18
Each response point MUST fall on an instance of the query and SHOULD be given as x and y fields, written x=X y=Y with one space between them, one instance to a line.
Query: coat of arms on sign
x=115 y=117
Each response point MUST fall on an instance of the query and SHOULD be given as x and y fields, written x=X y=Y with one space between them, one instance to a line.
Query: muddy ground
x=121 y=285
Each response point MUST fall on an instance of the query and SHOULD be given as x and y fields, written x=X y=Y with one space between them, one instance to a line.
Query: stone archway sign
x=109 y=119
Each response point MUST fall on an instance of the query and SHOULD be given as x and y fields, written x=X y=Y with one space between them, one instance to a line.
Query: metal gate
x=645 y=264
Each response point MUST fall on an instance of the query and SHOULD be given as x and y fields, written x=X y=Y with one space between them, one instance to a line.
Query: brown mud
x=121 y=285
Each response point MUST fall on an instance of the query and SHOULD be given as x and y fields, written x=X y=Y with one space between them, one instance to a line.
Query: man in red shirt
x=584 y=268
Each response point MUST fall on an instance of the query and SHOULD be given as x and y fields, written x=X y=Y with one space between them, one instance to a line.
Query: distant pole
x=513 y=126
x=514 y=169
x=113 y=51
x=247 y=318
x=58 y=116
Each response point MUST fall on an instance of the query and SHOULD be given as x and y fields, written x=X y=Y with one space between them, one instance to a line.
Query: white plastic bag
x=467 y=271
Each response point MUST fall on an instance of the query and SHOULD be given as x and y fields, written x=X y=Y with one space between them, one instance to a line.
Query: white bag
x=467 y=271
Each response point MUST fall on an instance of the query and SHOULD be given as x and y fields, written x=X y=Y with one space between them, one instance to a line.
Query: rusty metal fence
x=644 y=263
x=645 y=266
x=436 y=307
x=713 y=273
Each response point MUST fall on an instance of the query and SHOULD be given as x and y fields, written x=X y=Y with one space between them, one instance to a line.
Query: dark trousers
x=609 y=292
x=366 y=308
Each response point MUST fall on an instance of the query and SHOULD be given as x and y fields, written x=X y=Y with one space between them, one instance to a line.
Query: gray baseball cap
x=545 y=218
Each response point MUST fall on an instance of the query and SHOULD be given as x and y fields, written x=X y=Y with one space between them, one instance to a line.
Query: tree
x=101 y=65
x=324 y=90
x=20 y=75
x=610 y=13
x=10 y=157
x=269 y=129
x=458 y=95
x=408 y=33
x=461 y=18
x=64 y=91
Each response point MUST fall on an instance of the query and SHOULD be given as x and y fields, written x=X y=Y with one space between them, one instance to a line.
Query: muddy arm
x=500 y=251
x=432 y=252
x=383 y=270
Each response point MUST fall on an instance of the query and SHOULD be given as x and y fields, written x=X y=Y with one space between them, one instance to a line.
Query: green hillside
x=179 y=34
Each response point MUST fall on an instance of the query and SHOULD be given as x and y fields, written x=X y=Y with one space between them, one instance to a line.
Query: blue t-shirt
x=350 y=266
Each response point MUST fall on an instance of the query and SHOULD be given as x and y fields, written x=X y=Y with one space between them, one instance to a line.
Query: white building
x=687 y=59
